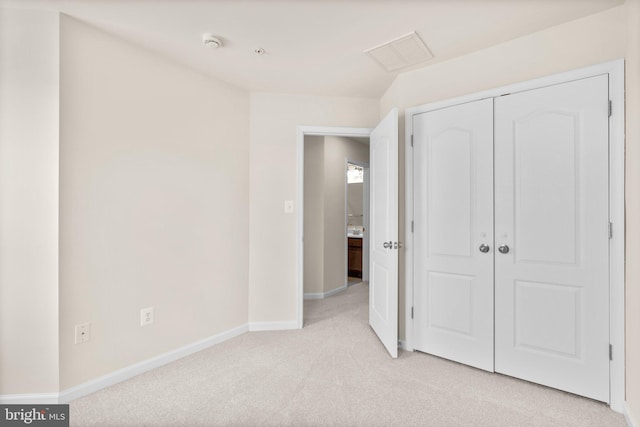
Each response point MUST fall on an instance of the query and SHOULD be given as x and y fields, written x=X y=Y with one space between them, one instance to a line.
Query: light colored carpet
x=332 y=372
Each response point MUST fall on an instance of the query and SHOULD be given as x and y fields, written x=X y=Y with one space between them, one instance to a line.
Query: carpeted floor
x=332 y=372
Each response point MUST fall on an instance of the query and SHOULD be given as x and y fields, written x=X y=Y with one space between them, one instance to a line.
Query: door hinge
x=412 y=140
x=610 y=230
x=412 y=226
x=610 y=352
x=610 y=108
x=412 y=312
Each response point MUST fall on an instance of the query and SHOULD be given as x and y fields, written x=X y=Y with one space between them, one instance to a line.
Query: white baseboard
x=336 y=291
x=272 y=326
x=28 y=399
x=632 y=421
x=402 y=344
x=147 y=365
x=131 y=371
x=323 y=295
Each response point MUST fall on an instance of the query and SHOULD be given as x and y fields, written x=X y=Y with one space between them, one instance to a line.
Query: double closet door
x=511 y=235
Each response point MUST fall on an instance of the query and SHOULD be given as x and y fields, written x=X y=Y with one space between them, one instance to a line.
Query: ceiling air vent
x=401 y=53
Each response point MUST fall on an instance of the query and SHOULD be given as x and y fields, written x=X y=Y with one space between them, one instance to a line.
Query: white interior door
x=551 y=220
x=383 y=273
x=453 y=233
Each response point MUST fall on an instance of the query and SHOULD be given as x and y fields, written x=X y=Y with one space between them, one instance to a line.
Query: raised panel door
x=551 y=199
x=453 y=218
x=383 y=280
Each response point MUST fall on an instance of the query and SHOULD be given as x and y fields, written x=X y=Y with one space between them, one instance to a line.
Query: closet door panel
x=453 y=219
x=551 y=219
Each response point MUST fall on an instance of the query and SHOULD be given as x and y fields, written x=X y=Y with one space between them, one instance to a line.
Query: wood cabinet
x=355 y=257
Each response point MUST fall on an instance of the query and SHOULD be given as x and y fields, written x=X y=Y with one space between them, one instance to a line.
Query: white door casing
x=551 y=211
x=383 y=236
x=453 y=229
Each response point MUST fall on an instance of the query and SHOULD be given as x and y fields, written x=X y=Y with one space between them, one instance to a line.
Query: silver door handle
x=484 y=248
x=504 y=249
x=392 y=245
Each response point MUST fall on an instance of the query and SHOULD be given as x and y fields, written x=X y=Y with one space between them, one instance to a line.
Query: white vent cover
x=401 y=53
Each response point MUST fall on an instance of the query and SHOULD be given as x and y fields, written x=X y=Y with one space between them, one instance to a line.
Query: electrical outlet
x=146 y=316
x=83 y=333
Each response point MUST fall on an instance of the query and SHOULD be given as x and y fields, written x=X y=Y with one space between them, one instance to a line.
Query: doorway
x=357 y=218
x=331 y=217
x=303 y=146
x=383 y=231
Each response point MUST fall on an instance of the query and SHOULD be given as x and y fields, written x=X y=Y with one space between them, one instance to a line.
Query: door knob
x=484 y=248
x=504 y=249
x=387 y=245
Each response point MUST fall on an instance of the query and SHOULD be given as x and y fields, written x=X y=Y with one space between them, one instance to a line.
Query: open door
x=383 y=271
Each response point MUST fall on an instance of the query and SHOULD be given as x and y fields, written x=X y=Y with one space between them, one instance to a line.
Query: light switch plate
x=288 y=206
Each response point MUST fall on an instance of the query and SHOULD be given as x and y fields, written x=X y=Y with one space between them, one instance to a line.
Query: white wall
x=29 y=89
x=587 y=41
x=274 y=117
x=154 y=185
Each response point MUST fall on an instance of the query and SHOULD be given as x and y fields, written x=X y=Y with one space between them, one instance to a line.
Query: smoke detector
x=211 y=41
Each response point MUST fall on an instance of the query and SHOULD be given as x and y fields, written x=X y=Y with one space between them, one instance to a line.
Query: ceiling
x=314 y=46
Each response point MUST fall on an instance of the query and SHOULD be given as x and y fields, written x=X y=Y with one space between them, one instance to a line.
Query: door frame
x=301 y=132
x=615 y=70
x=365 y=219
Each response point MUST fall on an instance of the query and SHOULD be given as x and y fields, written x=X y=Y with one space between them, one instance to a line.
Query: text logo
x=34 y=415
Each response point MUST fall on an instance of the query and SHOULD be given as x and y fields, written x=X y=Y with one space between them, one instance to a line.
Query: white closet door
x=453 y=233
x=551 y=212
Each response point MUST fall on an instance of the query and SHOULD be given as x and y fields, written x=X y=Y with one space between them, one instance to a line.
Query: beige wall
x=274 y=118
x=587 y=41
x=29 y=87
x=633 y=211
x=590 y=40
x=313 y=214
x=154 y=168
x=336 y=151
